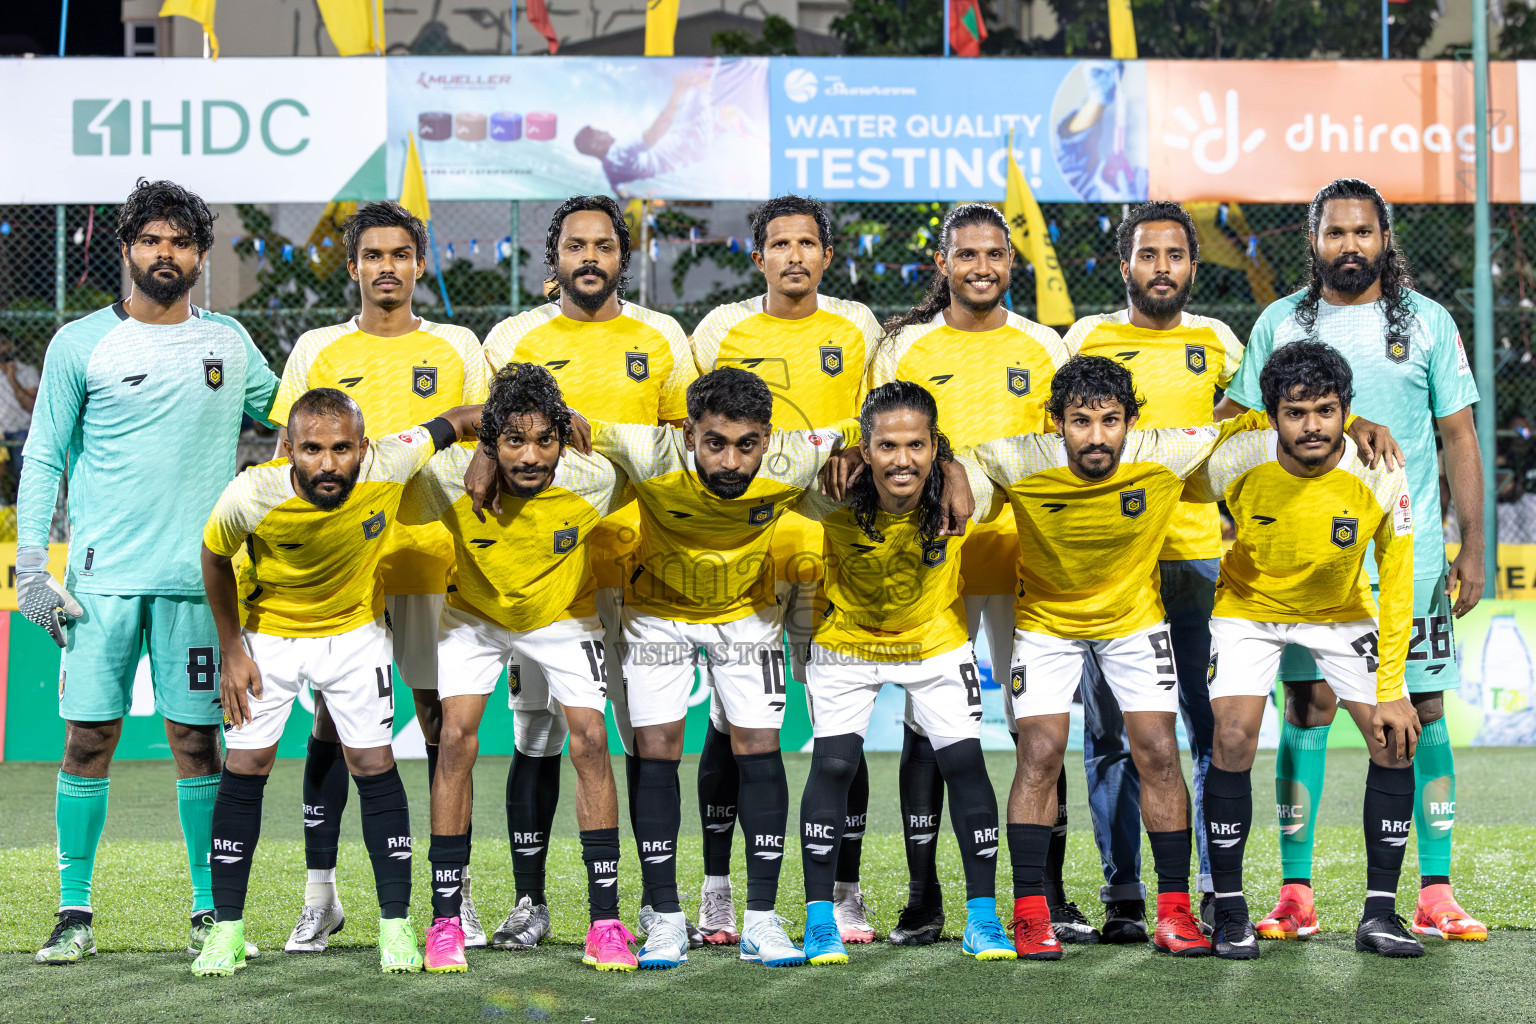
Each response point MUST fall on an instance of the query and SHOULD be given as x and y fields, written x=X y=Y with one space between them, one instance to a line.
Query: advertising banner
x=548 y=128
x=234 y=131
x=916 y=128
x=1277 y=131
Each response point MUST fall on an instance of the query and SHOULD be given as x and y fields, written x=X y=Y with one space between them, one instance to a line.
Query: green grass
x=141 y=900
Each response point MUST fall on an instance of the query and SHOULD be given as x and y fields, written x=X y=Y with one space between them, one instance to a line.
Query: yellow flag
x=200 y=11
x=660 y=27
x=413 y=184
x=331 y=226
x=355 y=26
x=1122 y=30
x=1026 y=227
x=1228 y=246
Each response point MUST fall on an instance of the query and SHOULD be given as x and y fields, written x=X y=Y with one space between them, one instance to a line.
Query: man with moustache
x=401 y=369
x=812 y=350
x=1180 y=362
x=990 y=372
x=613 y=361
x=1412 y=375
x=138 y=401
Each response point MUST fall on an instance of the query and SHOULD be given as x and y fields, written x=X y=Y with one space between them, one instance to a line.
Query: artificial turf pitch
x=141 y=903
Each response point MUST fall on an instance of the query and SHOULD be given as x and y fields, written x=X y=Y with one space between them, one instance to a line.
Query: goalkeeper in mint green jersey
x=141 y=403
x=1411 y=373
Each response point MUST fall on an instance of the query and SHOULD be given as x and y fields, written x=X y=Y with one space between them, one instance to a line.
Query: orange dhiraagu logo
x=1276 y=131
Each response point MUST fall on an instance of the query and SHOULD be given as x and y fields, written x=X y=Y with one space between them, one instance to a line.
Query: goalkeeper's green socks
x=1298 y=790
x=1434 y=813
x=194 y=805
x=80 y=813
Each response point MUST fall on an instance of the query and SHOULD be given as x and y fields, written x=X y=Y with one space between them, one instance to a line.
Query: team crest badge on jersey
x=1345 y=531
x=637 y=365
x=1210 y=672
x=935 y=551
x=565 y=540
x=1018 y=381
x=424 y=381
x=1397 y=348
x=1194 y=358
x=831 y=360
x=373 y=526
x=213 y=373
x=514 y=680
x=1016 y=680
x=1133 y=503
x=760 y=515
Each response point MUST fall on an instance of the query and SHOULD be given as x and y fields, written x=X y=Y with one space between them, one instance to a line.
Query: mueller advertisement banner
x=921 y=129
x=235 y=131
x=1276 y=131
x=547 y=128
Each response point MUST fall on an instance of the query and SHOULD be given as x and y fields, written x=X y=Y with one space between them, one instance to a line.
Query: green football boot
x=202 y=925
x=70 y=942
x=398 y=951
x=223 y=950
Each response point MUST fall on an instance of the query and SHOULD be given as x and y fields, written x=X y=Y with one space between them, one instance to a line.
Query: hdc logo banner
x=233 y=130
x=1277 y=131
x=923 y=129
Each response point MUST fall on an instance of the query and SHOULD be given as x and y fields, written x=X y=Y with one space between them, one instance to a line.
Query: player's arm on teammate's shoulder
x=1464 y=472
x=987 y=499
x=1395 y=722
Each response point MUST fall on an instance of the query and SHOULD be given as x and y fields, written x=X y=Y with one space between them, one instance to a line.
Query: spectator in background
x=16 y=398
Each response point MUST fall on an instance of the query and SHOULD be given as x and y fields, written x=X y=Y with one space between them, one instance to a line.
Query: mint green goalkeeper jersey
x=145 y=419
x=1404 y=383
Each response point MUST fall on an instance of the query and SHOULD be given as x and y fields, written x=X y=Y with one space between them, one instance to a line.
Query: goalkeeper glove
x=40 y=597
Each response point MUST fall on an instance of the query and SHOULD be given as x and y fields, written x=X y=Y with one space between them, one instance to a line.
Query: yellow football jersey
x=312 y=572
x=1088 y=565
x=988 y=384
x=1177 y=372
x=816 y=367
x=527 y=567
x=398 y=383
x=635 y=368
x=896 y=598
x=703 y=558
x=1301 y=543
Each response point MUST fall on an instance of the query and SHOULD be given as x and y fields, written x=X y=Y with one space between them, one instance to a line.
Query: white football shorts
x=1046 y=670
x=1245 y=655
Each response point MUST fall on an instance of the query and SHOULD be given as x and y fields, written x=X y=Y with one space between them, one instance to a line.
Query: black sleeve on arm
x=443 y=433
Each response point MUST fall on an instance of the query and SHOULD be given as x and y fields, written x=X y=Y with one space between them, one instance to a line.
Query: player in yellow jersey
x=989 y=370
x=891 y=611
x=1180 y=362
x=1306 y=510
x=307 y=608
x=614 y=361
x=813 y=351
x=520 y=597
x=400 y=369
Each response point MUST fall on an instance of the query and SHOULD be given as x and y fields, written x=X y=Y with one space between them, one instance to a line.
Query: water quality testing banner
x=547 y=128
x=917 y=129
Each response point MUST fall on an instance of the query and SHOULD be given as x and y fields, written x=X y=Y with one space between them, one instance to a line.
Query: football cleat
x=765 y=942
x=1439 y=914
x=823 y=946
x=851 y=913
x=202 y=924
x=1071 y=927
x=1387 y=936
x=1235 y=940
x=717 y=918
x=469 y=918
x=1125 y=922
x=666 y=942
x=1033 y=936
x=917 y=926
x=984 y=936
x=1294 y=917
x=70 y=942
x=524 y=928
x=1207 y=916
x=445 y=947
x=223 y=951
x=1177 y=932
x=398 y=952
x=315 y=927
x=608 y=946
